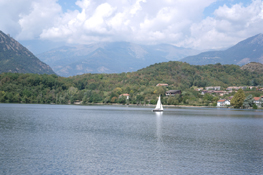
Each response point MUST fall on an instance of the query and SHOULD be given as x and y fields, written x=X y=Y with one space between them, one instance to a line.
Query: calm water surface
x=64 y=139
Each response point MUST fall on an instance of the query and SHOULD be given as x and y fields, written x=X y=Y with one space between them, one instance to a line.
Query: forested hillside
x=141 y=85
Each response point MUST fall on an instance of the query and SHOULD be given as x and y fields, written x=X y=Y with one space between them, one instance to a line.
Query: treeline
x=140 y=85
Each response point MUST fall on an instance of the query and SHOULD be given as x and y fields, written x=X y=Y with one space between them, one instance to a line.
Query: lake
x=70 y=139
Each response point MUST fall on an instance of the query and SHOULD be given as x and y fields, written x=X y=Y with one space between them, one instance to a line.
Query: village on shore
x=212 y=90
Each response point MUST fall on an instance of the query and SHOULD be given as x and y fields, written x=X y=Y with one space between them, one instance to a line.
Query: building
x=258 y=101
x=227 y=102
x=199 y=89
x=240 y=87
x=223 y=102
x=172 y=92
x=125 y=95
x=243 y=87
x=232 y=88
x=221 y=93
x=209 y=88
x=159 y=84
x=217 y=88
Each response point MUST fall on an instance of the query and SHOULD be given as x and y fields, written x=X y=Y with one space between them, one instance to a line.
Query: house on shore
x=258 y=101
x=125 y=95
x=223 y=102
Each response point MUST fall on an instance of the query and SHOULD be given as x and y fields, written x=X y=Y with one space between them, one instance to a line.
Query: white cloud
x=43 y=14
x=98 y=22
x=27 y=18
x=229 y=26
x=9 y=12
x=179 y=22
x=130 y=20
x=136 y=7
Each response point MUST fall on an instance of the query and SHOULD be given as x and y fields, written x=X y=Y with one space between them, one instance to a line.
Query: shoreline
x=118 y=104
x=135 y=105
x=149 y=105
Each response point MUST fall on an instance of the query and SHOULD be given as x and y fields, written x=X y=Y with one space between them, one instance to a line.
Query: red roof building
x=125 y=95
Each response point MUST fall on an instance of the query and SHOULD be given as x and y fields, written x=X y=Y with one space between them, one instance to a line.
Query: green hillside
x=141 y=85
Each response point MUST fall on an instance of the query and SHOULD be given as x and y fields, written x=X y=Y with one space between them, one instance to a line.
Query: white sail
x=159 y=105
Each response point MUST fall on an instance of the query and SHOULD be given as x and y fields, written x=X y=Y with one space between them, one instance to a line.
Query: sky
x=41 y=25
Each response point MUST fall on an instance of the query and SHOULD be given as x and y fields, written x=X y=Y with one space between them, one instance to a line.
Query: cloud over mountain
x=177 y=22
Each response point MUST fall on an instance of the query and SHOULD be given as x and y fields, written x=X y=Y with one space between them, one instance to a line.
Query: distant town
x=218 y=91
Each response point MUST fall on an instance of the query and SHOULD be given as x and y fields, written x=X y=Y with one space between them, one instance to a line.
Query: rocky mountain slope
x=113 y=57
x=249 y=50
x=17 y=59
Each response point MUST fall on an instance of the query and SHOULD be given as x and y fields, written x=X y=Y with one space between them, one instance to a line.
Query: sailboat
x=159 y=106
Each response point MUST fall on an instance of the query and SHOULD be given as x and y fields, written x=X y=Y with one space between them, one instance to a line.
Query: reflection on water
x=65 y=139
x=158 y=113
x=159 y=126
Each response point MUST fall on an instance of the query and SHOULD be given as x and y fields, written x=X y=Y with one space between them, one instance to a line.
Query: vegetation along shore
x=178 y=83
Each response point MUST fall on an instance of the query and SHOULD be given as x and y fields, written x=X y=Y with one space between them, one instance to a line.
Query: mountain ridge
x=245 y=51
x=110 y=57
x=17 y=59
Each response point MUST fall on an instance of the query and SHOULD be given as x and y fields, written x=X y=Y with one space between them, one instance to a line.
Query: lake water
x=68 y=139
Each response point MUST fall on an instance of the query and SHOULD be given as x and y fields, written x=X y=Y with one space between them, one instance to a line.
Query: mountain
x=17 y=59
x=249 y=50
x=115 y=57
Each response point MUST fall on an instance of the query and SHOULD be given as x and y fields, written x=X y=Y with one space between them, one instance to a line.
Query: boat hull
x=157 y=110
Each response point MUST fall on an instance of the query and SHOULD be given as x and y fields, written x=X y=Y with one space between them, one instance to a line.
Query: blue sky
x=199 y=24
x=208 y=11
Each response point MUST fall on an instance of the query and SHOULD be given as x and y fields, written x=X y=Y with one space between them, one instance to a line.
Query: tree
x=139 y=98
x=255 y=106
x=238 y=99
x=248 y=102
x=122 y=100
x=172 y=101
x=84 y=99
x=118 y=90
x=152 y=101
x=113 y=100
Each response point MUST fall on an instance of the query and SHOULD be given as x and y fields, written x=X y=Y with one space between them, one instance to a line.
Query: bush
x=152 y=101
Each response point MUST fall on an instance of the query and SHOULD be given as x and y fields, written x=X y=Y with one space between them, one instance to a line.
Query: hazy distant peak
x=248 y=50
x=110 y=57
x=258 y=39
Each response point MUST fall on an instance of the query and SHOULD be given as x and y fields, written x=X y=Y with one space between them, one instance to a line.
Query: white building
x=223 y=102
